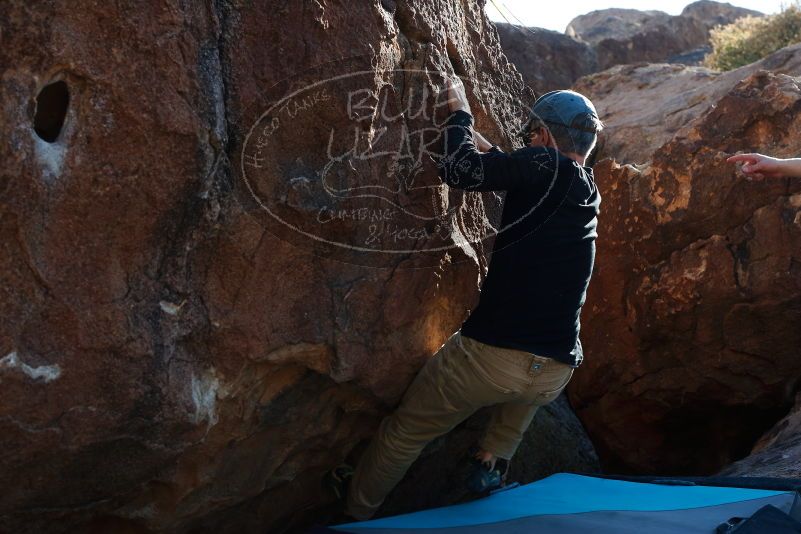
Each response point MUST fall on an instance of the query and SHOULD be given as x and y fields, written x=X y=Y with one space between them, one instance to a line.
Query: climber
x=760 y=166
x=519 y=347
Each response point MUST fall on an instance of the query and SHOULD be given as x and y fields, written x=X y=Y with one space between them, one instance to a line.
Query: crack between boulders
x=221 y=11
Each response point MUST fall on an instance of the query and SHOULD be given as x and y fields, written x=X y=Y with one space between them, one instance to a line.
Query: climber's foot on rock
x=488 y=472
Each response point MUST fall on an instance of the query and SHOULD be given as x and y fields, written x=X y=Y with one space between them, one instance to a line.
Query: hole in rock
x=51 y=109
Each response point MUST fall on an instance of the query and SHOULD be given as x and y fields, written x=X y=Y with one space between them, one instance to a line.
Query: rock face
x=547 y=60
x=645 y=106
x=623 y=36
x=691 y=324
x=777 y=453
x=217 y=273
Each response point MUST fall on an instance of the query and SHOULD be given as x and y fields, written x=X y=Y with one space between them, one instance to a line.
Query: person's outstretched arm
x=761 y=166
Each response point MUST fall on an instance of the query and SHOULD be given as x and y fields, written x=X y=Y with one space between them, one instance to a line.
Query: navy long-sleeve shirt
x=544 y=254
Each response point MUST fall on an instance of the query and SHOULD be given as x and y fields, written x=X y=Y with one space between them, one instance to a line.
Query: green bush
x=750 y=39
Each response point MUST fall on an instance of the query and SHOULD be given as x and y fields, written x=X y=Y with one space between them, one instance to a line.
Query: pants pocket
x=496 y=372
x=552 y=382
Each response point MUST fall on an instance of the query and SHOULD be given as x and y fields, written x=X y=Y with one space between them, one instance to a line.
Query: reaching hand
x=457 y=99
x=760 y=166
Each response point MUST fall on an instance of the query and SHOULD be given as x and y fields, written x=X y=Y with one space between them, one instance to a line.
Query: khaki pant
x=462 y=377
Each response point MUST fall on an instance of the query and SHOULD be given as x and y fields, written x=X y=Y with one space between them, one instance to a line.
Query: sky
x=556 y=15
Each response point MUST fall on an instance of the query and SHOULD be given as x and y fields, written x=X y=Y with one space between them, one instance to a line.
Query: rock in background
x=603 y=39
x=623 y=36
x=645 y=106
x=171 y=357
x=613 y=23
x=690 y=328
x=711 y=13
x=547 y=60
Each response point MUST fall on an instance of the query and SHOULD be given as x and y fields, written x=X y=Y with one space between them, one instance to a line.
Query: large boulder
x=645 y=106
x=655 y=42
x=711 y=13
x=622 y=36
x=613 y=23
x=547 y=60
x=691 y=325
x=225 y=248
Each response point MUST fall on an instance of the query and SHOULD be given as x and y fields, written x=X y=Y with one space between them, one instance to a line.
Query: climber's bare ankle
x=486 y=458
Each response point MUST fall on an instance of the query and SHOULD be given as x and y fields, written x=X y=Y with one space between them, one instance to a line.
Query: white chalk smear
x=204 y=397
x=50 y=157
x=46 y=373
x=170 y=307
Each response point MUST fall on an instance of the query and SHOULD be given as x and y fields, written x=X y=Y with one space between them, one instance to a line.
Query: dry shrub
x=750 y=39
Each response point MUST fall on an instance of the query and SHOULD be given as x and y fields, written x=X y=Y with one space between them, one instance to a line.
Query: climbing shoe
x=483 y=478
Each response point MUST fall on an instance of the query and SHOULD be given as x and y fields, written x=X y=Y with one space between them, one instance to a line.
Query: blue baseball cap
x=569 y=109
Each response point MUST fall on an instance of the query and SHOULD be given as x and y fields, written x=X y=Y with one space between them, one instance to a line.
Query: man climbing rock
x=519 y=347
